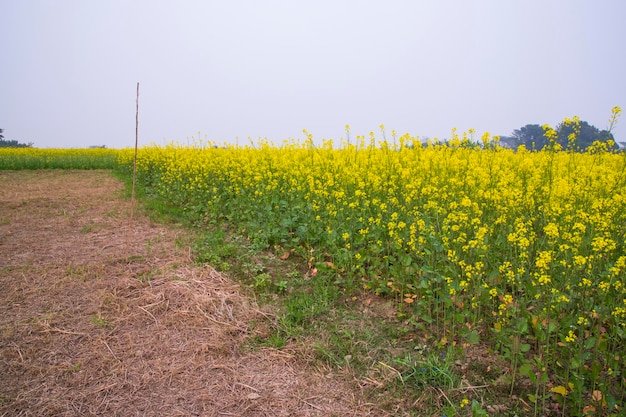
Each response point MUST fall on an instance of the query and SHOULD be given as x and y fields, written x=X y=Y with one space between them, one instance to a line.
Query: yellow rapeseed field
x=523 y=250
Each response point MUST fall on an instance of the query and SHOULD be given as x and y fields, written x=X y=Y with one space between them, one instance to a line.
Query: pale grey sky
x=270 y=68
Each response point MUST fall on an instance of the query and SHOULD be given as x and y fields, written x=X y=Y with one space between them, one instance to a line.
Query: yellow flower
x=543 y=260
x=571 y=337
x=551 y=230
x=544 y=279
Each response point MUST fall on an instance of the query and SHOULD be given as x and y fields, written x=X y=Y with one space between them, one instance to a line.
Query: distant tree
x=12 y=143
x=531 y=136
x=585 y=134
x=508 y=142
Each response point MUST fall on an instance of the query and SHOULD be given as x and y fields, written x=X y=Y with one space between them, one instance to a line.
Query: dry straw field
x=97 y=318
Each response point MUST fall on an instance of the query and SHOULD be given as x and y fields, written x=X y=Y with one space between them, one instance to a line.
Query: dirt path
x=100 y=319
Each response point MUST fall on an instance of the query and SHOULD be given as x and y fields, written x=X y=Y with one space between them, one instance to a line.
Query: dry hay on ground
x=99 y=318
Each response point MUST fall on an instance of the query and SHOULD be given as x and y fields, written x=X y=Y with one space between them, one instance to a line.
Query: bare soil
x=101 y=316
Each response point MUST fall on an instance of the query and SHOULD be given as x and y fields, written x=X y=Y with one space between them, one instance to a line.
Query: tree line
x=576 y=135
x=12 y=143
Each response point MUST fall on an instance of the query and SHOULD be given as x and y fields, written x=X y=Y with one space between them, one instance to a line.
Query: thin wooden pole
x=132 y=196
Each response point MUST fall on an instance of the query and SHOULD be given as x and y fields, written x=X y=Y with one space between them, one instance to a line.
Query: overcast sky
x=270 y=68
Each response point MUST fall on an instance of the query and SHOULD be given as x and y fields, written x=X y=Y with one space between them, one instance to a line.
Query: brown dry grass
x=97 y=318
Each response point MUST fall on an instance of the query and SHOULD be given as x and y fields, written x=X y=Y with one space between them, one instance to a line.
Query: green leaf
x=473 y=338
x=524 y=348
x=589 y=343
x=522 y=325
x=611 y=401
x=527 y=370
